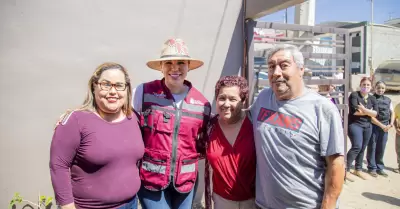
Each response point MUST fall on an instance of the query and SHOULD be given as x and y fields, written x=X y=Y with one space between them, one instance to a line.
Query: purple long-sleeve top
x=93 y=163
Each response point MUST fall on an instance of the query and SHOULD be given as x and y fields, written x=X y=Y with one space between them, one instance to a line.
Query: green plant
x=43 y=201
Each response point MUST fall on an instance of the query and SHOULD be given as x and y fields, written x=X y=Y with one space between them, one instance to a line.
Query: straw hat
x=174 y=49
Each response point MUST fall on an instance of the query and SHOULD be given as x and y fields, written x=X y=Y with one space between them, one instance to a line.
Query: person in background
x=381 y=125
x=96 y=148
x=339 y=74
x=173 y=117
x=362 y=107
x=298 y=137
x=230 y=149
x=329 y=92
x=397 y=127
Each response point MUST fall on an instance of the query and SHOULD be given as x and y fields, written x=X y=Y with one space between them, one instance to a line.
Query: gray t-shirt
x=292 y=139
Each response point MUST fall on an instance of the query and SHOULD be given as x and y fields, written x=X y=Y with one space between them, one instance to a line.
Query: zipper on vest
x=175 y=142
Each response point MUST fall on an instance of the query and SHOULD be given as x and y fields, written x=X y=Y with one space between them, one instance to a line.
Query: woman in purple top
x=95 y=149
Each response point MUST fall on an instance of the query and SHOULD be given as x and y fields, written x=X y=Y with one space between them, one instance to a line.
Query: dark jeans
x=133 y=204
x=359 y=138
x=376 y=149
x=168 y=198
x=398 y=149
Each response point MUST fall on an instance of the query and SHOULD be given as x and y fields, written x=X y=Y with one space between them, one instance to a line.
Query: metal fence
x=327 y=54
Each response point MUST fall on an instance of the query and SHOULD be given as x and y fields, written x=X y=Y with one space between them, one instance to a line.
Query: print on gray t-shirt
x=292 y=139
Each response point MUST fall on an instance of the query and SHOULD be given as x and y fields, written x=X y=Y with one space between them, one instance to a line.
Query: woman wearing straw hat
x=173 y=116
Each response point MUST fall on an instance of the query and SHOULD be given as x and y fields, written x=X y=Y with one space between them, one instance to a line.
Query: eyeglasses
x=106 y=86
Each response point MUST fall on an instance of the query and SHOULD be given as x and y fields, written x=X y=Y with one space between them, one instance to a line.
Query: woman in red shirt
x=230 y=148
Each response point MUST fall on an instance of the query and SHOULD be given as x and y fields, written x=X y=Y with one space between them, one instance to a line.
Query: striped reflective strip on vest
x=188 y=168
x=187 y=114
x=169 y=103
x=196 y=108
x=148 y=166
x=158 y=100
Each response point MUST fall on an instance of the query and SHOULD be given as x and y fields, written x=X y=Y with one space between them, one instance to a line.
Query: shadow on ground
x=394 y=170
x=383 y=198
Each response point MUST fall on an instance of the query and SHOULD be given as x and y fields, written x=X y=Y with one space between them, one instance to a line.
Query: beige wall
x=385 y=45
x=48 y=50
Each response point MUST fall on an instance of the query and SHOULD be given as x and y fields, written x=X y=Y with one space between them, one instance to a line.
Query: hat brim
x=156 y=64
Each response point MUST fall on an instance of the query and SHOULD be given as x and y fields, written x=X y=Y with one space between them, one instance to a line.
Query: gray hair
x=294 y=51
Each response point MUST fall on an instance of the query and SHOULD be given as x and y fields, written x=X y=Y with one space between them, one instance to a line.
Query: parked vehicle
x=388 y=72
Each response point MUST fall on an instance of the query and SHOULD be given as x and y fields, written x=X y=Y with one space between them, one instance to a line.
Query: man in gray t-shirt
x=299 y=139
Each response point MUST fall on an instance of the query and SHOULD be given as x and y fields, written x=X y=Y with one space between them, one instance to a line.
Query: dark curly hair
x=233 y=80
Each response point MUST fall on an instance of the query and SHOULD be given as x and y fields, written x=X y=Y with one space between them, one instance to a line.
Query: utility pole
x=286 y=16
x=286 y=20
x=372 y=25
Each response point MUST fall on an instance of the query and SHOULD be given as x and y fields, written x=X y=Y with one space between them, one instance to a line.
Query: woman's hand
x=360 y=111
x=361 y=108
x=68 y=206
x=386 y=128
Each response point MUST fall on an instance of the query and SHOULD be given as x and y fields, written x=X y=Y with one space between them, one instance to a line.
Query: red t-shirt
x=234 y=167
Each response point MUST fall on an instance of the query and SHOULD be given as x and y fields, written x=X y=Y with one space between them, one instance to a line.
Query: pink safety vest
x=171 y=137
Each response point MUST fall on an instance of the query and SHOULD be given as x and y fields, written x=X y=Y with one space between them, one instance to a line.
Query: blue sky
x=345 y=10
